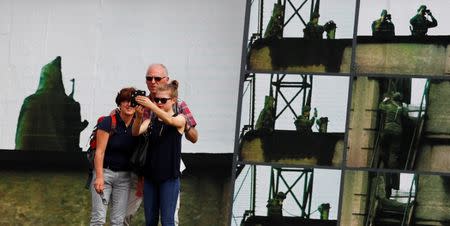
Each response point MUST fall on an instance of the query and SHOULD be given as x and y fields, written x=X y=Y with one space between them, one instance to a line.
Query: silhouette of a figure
x=49 y=119
x=383 y=27
x=420 y=22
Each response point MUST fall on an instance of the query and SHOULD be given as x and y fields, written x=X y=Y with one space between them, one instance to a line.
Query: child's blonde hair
x=172 y=87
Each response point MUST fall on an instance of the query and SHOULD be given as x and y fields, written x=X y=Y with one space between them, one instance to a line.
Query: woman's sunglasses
x=161 y=100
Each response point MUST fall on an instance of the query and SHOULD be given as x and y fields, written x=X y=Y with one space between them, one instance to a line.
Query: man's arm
x=413 y=20
x=191 y=135
x=433 y=22
x=190 y=132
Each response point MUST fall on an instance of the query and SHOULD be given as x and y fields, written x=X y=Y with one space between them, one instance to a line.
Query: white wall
x=107 y=45
x=402 y=11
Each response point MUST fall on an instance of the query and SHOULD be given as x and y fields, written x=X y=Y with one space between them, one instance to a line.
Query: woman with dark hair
x=112 y=175
x=162 y=169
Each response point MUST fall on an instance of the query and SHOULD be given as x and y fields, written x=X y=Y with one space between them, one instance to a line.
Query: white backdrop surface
x=107 y=45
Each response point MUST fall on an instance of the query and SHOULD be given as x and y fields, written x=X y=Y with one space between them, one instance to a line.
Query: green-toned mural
x=49 y=119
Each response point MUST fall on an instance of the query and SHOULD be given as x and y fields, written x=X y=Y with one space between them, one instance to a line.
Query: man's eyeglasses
x=161 y=100
x=150 y=78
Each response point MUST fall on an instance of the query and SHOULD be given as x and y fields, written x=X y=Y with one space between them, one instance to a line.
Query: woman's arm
x=102 y=140
x=179 y=120
x=139 y=127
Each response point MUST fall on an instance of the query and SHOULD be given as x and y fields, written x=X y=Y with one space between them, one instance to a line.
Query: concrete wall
x=435 y=155
x=433 y=199
x=363 y=114
x=253 y=151
x=206 y=198
x=354 y=198
x=59 y=198
x=32 y=191
x=375 y=58
x=438 y=123
x=261 y=60
x=403 y=58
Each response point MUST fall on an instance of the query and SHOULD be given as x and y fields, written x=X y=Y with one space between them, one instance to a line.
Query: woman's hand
x=144 y=101
x=139 y=111
x=99 y=184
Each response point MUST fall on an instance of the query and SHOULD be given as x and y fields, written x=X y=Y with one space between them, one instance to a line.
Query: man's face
x=422 y=11
x=155 y=75
x=306 y=114
x=315 y=20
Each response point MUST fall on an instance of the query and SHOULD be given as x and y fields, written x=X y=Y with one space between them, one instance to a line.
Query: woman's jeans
x=160 y=198
x=115 y=193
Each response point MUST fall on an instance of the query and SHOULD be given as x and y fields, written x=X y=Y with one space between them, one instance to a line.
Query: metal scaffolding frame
x=296 y=10
x=307 y=174
x=301 y=195
x=295 y=5
x=279 y=83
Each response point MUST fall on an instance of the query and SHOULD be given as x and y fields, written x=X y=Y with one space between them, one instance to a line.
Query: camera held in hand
x=427 y=11
x=134 y=95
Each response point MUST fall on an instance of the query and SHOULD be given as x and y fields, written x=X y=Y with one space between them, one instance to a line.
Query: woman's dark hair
x=124 y=95
x=172 y=87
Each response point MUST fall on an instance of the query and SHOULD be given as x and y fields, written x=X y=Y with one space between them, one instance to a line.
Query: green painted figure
x=420 y=22
x=49 y=119
x=275 y=205
x=391 y=138
x=275 y=25
x=266 y=119
x=313 y=30
x=383 y=27
x=324 y=210
x=303 y=123
x=330 y=28
x=322 y=123
x=391 y=134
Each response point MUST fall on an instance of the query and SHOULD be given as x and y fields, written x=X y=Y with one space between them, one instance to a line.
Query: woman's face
x=125 y=107
x=164 y=100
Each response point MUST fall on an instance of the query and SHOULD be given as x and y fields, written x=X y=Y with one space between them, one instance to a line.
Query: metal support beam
x=304 y=175
x=280 y=83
